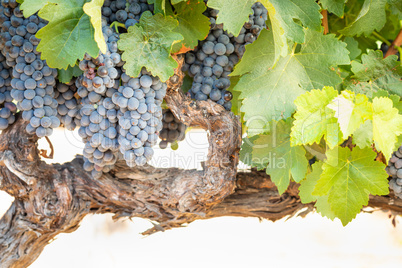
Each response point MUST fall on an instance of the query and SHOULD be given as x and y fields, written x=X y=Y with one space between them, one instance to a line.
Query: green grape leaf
x=193 y=25
x=306 y=192
x=148 y=44
x=307 y=185
x=291 y=12
x=363 y=136
x=257 y=56
x=372 y=17
x=273 y=152
x=314 y=119
x=65 y=76
x=279 y=40
x=162 y=6
x=68 y=35
x=392 y=26
x=187 y=84
x=349 y=177
x=334 y=6
x=236 y=103
x=396 y=7
x=94 y=10
x=287 y=20
x=174 y=2
x=387 y=125
x=232 y=13
x=351 y=110
x=375 y=73
x=353 y=47
x=396 y=100
x=273 y=90
x=351 y=10
x=30 y=7
x=324 y=208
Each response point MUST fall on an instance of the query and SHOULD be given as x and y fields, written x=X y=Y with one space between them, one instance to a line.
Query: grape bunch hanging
x=211 y=63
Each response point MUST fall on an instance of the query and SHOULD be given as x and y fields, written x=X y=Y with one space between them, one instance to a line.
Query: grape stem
x=116 y=26
x=381 y=38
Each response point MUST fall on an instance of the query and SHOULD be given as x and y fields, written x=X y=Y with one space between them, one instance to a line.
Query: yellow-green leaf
x=387 y=125
x=314 y=119
x=351 y=110
x=349 y=177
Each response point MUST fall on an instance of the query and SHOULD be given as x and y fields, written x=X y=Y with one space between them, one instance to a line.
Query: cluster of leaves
x=329 y=97
x=301 y=93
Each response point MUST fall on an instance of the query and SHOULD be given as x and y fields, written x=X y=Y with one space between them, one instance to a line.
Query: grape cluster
x=98 y=131
x=140 y=116
x=126 y=12
x=211 y=63
x=173 y=130
x=394 y=169
x=7 y=107
x=68 y=110
x=32 y=80
x=97 y=114
x=101 y=75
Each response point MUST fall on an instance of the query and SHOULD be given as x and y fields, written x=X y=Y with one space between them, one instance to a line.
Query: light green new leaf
x=363 y=136
x=371 y=17
x=232 y=13
x=30 y=7
x=387 y=125
x=349 y=177
x=65 y=76
x=193 y=25
x=273 y=152
x=273 y=90
x=306 y=192
x=315 y=120
x=68 y=35
x=148 y=44
x=334 y=6
x=94 y=10
x=375 y=73
x=396 y=100
x=351 y=110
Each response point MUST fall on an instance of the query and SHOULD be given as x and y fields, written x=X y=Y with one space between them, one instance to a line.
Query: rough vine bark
x=53 y=199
